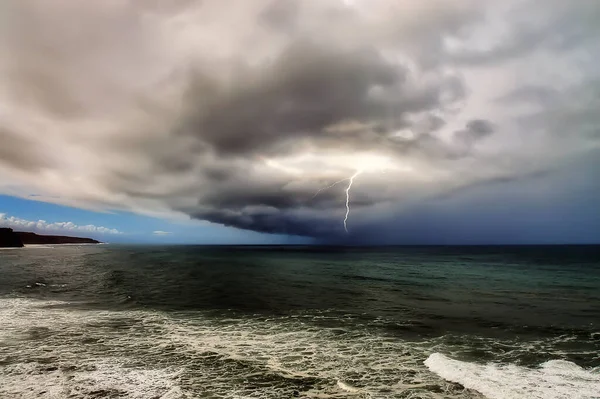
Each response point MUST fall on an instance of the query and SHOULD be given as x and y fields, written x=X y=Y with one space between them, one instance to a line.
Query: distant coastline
x=17 y=239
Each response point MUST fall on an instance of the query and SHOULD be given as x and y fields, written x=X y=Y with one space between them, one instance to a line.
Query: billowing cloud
x=238 y=115
x=41 y=226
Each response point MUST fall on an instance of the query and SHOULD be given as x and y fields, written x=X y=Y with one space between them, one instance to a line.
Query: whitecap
x=347 y=387
x=555 y=379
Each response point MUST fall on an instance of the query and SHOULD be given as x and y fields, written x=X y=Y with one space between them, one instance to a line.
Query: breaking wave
x=554 y=379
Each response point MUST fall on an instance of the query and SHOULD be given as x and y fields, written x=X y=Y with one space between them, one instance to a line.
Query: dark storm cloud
x=269 y=205
x=274 y=222
x=307 y=89
x=312 y=95
x=206 y=109
x=553 y=206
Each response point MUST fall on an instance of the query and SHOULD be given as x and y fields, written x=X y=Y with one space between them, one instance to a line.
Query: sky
x=302 y=121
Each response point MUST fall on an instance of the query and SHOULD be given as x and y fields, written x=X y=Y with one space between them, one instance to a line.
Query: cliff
x=9 y=239
x=32 y=238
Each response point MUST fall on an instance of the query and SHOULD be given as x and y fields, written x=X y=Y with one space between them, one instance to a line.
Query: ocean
x=174 y=322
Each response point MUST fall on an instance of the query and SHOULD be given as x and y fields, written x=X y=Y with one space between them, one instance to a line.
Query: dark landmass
x=32 y=238
x=16 y=239
x=9 y=239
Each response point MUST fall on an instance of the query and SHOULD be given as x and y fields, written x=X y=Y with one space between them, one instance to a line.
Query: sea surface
x=175 y=322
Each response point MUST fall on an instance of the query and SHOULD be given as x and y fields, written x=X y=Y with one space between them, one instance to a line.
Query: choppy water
x=247 y=322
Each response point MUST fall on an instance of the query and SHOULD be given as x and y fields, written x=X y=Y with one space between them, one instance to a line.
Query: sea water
x=280 y=322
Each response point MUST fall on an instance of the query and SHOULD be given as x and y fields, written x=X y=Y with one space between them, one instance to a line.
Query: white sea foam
x=47 y=352
x=347 y=387
x=555 y=379
x=49 y=346
x=103 y=378
x=62 y=350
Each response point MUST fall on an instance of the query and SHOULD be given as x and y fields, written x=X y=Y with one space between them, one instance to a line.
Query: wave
x=138 y=353
x=554 y=379
x=135 y=354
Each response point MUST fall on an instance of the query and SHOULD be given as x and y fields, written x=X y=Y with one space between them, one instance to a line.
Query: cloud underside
x=239 y=115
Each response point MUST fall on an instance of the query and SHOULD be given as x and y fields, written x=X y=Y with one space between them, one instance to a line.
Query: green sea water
x=277 y=322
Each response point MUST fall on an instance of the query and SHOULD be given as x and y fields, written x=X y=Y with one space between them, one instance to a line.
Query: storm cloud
x=238 y=114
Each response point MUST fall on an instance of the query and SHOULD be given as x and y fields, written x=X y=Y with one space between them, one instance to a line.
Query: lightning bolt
x=330 y=186
x=361 y=163
x=347 y=190
x=351 y=178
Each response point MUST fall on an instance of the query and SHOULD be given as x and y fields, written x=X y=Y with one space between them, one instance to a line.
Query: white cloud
x=161 y=233
x=42 y=226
